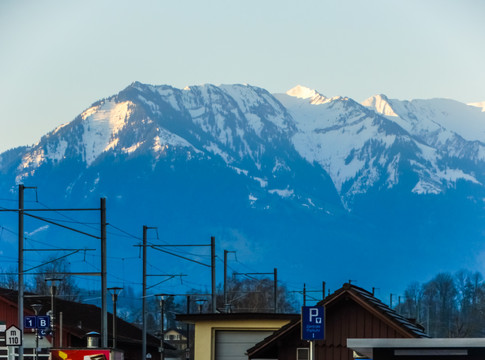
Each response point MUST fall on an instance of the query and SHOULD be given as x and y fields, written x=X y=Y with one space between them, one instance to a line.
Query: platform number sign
x=37 y=322
x=43 y=322
x=30 y=322
x=13 y=336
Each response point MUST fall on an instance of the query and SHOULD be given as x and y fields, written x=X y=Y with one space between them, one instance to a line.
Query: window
x=302 y=353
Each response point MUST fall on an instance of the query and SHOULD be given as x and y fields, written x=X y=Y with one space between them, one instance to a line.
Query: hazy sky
x=58 y=57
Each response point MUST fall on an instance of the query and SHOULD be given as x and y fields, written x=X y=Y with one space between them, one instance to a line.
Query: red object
x=80 y=354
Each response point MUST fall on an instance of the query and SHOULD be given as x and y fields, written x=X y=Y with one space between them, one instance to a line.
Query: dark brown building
x=350 y=312
x=78 y=319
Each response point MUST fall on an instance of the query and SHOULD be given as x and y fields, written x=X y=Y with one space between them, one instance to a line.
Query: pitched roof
x=364 y=298
x=79 y=318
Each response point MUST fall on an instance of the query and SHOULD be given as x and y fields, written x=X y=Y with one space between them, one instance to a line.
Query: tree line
x=243 y=295
x=448 y=305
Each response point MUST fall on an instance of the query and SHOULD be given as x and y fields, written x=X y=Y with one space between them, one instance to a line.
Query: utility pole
x=22 y=211
x=225 y=279
x=162 y=329
x=21 y=268
x=21 y=264
x=213 y=267
x=304 y=294
x=144 y=294
x=104 y=287
x=187 y=329
x=275 y=290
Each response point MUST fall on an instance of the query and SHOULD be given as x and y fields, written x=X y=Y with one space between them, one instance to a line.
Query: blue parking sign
x=312 y=323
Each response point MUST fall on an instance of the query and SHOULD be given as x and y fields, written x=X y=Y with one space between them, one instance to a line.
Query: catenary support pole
x=115 y=298
x=187 y=329
x=162 y=327
x=225 y=280
x=304 y=294
x=144 y=293
x=21 y=267
x=104 y=286
x=275 y=292
x=213 y=267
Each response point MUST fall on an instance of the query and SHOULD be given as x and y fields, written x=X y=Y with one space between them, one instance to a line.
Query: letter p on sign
x=314 y=314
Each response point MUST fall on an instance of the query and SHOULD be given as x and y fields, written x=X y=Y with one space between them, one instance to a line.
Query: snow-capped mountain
x=266 y=169
x=361 y=149
x=244 y=128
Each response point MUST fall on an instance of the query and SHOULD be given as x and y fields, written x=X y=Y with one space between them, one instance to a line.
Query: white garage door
x=232 y=345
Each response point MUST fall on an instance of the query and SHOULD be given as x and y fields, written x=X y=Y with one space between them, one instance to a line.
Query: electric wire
x=89 y=225
x=126 y=234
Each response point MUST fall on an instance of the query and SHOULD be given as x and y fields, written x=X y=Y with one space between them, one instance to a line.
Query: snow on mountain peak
x=380 y=104
x=480 y=104
x=101 y=123
x=302 y=92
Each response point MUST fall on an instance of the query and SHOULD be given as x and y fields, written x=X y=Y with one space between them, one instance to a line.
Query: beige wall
x=205 y=333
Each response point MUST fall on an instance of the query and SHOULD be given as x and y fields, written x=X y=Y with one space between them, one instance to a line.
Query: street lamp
x=162 y=321
x=36 y=308
x=115 y=291
x=53 y=291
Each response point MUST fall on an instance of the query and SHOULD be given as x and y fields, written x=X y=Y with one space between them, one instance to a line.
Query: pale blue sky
x=58 y=57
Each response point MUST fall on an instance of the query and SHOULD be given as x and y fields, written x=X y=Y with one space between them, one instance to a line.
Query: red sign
x=80 y=354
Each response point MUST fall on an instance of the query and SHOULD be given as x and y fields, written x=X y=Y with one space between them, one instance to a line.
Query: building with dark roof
x=221 y=336
x=350 y=312
x=78 y=319
x=419 y=349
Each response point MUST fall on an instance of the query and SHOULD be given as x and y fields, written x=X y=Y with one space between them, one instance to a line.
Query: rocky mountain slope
x=312 y=184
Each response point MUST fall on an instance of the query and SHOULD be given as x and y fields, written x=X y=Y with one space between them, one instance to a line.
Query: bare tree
x=58 y=269
x=9 y=279
x=257 y=295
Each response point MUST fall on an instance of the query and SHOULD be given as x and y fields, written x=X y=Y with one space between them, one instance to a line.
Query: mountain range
x=323 y=188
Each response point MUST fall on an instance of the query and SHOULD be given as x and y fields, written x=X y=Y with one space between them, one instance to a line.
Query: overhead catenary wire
x=180 y=256
x=128 y=235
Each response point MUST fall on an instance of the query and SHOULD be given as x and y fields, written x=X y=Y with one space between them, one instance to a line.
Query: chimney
x=92 y=339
